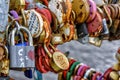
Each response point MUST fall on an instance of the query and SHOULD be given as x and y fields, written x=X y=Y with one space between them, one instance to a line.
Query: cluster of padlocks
x=30 y=31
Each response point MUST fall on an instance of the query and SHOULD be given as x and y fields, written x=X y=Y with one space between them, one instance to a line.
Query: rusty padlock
x=4 y=61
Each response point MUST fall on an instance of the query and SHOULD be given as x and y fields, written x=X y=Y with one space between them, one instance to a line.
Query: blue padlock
x=28 y=73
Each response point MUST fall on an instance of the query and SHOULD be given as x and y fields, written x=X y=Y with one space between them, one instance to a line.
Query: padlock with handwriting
x=21 y=56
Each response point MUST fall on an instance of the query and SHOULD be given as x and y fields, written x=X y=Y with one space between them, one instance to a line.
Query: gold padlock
x=4 y=61
x=114 y=75
x=59 y=61
x=57 y=39
x=95 y=41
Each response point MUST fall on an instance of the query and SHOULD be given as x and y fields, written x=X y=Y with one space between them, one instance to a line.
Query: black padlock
x=82 y=30
x=82 y=33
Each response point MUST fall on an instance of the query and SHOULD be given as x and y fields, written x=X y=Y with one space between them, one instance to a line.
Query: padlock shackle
x=30 y=42
x=21 y=37
x=8 y=35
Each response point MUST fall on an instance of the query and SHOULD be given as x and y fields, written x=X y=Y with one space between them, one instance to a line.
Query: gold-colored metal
x=95 y=41
x=19 y=6
x=114 y=75
x=116 y=66
x=57 y=39
x=4 y=61
x=60 y=76
x=42 y=37
x=59 y=61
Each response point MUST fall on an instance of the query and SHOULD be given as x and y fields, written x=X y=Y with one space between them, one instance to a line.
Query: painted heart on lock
x=31 y=55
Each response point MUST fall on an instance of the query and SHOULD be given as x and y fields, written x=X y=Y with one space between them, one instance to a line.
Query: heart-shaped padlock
x=81 y=8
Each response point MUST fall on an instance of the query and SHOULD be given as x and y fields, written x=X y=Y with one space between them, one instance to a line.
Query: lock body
x=21 y=56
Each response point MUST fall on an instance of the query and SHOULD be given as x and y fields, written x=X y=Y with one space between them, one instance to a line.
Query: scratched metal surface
x=98 y=58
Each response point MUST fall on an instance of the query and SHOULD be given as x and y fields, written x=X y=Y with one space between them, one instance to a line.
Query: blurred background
x=99 y=58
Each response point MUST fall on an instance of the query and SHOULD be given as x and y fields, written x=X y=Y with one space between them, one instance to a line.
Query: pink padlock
x=95 y=24
x=93 y=10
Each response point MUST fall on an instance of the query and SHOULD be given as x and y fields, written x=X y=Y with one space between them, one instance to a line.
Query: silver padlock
x=22 y=56
x=105 y=32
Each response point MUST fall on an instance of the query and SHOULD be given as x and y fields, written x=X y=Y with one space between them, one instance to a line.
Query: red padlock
x=96 y=24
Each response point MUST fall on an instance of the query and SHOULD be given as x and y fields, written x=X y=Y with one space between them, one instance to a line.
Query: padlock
x=95 y=41
x=81 y=9
x=71 y=61
x=4 y=61
x=96 y=25
x=41 y=60
x=81 y=30
x=105 y=32
x=62 y=10
x=71 y=70
x=21 y=56
x=93 y=10
x=114 y=75
x=4 y=8
x=81 y=71
x=45 y=12
x=82 y=33
x=34 y=22
x=57 y=39
x=59 y=61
